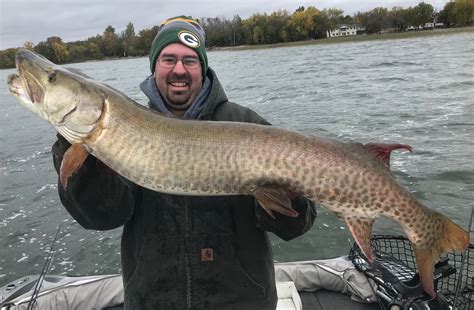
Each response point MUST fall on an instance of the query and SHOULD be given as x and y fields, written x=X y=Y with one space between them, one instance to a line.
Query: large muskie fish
x=223 y=158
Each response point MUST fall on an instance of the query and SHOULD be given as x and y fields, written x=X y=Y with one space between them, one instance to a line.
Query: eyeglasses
x=170 y=62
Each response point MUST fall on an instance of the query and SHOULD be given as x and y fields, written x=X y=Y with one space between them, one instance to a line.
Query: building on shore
x=345 y=30
x=425 y=26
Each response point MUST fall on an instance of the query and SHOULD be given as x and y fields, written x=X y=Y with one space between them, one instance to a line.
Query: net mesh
x=397 y=251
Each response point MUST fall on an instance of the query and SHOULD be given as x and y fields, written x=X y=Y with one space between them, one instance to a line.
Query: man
x=184 y=252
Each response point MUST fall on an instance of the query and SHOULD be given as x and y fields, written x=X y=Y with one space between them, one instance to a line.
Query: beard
x=179 y=100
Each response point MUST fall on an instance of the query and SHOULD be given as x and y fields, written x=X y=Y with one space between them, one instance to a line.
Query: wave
x=464 y=176
x=396 y=63
x=391 y=79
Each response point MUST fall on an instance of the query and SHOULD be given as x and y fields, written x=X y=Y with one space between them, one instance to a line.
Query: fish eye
x=52 y=77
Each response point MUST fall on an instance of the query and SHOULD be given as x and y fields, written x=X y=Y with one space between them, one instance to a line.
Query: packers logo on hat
x=189 y=39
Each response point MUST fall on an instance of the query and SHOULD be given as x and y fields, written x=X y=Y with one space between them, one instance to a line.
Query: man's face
x=178 y=85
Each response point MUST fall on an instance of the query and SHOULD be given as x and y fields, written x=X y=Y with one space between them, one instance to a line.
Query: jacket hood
x=217 y=96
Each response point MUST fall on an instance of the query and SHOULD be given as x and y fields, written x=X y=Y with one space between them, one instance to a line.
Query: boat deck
x=328 y=300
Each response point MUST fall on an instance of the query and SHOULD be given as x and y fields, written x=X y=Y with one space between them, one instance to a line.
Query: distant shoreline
x=357 y=38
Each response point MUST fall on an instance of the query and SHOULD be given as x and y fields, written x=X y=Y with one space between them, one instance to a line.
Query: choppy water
x=415 y=91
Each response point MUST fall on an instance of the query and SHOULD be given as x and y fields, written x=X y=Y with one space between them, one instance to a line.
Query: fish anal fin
x=361 y=230
x=73 y=159
x=382 y=151
x=452 y=238
x=425 y=264
x=274 y=198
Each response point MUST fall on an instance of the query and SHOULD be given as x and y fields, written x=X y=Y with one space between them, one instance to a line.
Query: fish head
x=72 y=103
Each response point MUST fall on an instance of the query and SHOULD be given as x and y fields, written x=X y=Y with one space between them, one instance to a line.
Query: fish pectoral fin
x=73 y=159
x=361 y=230
x=382 y=150
x=273 y=198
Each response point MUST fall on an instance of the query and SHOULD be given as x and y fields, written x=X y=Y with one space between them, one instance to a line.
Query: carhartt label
x=207 y=255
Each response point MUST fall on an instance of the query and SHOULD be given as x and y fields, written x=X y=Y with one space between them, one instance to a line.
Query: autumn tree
x=376 y=20
x=238 y=33
x=7 y=58
x=335 y=17
x=142 y=43
x=301 y=25
x=54 y=49
x=277 y=30
x=128 y=35
x=423 y=13
x=254 y=28
x=218 y=31
x=464 y=12
x=322 y=24
x=397 y=18
x=446 y=15
x=110 y=45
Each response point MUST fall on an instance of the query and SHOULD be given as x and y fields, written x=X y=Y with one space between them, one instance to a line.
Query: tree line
x=280 y=26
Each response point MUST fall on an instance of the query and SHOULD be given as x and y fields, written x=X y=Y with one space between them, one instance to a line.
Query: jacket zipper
x=186 y=258
x=188 y=283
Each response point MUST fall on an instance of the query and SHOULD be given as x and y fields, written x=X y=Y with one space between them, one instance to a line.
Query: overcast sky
x=71 y=20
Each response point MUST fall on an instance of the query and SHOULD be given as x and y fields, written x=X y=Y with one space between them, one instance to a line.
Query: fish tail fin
x=453 y=238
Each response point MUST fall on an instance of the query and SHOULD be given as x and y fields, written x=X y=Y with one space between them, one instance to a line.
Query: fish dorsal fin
x=382 y=151
x=361 y=230
x=274 y=198
x=73 y=159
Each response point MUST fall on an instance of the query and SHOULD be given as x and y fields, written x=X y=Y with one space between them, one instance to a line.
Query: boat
x=300 y=285
x=346 y=282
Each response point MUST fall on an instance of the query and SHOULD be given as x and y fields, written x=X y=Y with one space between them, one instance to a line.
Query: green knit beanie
x=180 y=29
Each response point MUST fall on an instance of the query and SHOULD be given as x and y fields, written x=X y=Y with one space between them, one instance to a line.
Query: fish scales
x=182 y=154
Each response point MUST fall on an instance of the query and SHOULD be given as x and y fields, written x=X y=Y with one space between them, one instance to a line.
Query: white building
x=343 y=31
x=429 y=25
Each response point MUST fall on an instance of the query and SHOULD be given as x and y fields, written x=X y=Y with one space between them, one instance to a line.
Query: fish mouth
x=17 y=88
x=27 y=89
x=25 y=85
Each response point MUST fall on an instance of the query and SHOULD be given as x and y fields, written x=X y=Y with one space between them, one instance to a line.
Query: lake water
x=414 y=91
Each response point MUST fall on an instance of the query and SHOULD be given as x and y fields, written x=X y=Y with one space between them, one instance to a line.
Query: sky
x=72 y=20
